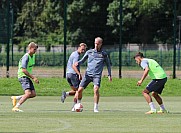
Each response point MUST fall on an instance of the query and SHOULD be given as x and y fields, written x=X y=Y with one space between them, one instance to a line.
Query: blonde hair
x=32 y=44
x=83 y=44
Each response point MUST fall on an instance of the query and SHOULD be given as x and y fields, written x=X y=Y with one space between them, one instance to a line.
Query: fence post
x=11 y=36
x=174 y=41
x=65 y=35
x=8 y=37
x=120 y=39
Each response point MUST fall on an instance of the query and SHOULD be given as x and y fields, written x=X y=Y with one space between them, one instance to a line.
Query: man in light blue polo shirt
x=97 y=58
x=73 y=78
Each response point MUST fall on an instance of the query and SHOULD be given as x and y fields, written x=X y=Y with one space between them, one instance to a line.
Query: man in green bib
x=25 y=67
x=159 y=78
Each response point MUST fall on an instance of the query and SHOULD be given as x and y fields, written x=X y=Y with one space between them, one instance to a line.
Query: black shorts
x=73 y=80
x=156 y=85
x=87 y=79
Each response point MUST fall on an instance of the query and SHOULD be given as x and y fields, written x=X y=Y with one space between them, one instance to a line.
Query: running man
x=159 y=78
x=26 y=64
x=96 y=59
x=73 y=77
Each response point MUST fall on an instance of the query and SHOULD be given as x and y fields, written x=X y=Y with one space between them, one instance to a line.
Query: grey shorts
x=73 y=80
x=26 y=83
x=156 y=85
x=87 y=79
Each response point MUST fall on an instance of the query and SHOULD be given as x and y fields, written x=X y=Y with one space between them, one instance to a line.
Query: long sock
x=75 y=101
x=18 y=97
x=162 y=107
x=67 y=93
x=95 y=106
x=152 y=106
x=79 y=101
x=17 y=105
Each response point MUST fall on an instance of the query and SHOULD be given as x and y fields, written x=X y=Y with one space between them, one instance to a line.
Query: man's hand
x=139 y=83
x=110 y=78
x=36 y=80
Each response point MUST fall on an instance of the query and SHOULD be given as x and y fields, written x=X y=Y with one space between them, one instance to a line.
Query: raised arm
x=84 y=58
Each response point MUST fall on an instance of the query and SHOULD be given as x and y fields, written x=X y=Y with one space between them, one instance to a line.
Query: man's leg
x=73 y=81
x=149 y=101
x=28 y=94
x=69 y=93
x=96 y=98
x=79 y=94
x=160 y=102
x=15 y=98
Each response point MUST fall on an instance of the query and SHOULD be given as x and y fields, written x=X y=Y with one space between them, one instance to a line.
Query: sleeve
x=75 y=59
x=144 y=64
x=25 y=61
x=84 y=58
x=108 y=64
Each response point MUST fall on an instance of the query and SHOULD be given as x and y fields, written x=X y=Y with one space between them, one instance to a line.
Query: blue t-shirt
x=74 y=57
x=95 y=63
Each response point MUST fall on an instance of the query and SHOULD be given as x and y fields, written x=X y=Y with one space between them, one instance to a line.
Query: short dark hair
x=139 y=54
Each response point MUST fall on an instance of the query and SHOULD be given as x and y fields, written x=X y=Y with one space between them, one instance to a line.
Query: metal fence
x=127 y=26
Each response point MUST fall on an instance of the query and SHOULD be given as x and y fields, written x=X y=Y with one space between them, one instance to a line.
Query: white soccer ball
x=78 y=107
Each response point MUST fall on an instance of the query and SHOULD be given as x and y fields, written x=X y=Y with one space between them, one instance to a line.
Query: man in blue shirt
x=96 y=58
x=73 y=78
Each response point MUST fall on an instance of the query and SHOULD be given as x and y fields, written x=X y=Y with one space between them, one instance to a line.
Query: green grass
x=118 y=87
x=117 y=115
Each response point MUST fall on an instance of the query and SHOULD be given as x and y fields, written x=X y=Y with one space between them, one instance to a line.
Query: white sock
x=79 y=101
x=67 y=93
x=17 y=105
x=18 y=97
x=152 y=106
x=95 y=106
x=162 y=107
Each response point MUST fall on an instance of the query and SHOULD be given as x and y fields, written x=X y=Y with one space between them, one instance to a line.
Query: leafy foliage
x=144 y=21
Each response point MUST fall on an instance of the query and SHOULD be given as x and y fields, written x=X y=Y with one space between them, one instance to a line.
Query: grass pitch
x=117 y=114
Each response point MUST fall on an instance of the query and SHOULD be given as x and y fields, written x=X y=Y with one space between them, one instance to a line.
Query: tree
x=86 y=20
x=141 y=21
x=40 y=20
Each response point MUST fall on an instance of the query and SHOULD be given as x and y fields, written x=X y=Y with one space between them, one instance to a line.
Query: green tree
x=86 y=20
x=40 y=20
x=144 y=21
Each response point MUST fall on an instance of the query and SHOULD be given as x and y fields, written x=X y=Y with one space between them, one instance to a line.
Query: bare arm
x=77 y=71
x=29 y=75
x=144 y=76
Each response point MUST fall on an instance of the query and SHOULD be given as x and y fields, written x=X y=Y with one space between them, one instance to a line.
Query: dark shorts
x=26 y=83
x=156 y=85
x=73 y=80
x=87 y=79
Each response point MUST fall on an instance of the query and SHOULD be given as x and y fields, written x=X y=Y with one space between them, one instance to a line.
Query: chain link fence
x=147 y=26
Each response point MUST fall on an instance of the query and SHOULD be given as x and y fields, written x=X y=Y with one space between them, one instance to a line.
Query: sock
x=79 y=101
x=152 y=106
x=95 y=106
x=67 y=93
x=17 y=105
x=18 y=97
x=75 y=101
x=162 y=107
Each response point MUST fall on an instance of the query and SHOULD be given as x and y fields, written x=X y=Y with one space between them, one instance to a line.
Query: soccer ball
x=78 y=107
